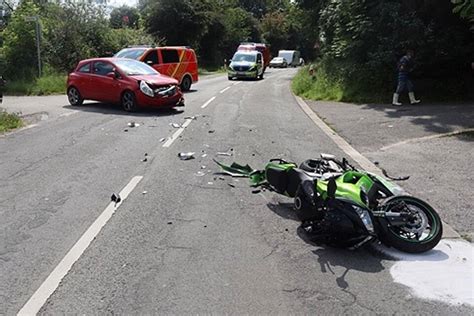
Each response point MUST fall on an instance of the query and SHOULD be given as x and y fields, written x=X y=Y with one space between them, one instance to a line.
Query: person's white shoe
x=395 y=100
x=413 y=100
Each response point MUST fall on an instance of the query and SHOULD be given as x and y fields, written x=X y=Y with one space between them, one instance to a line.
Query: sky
x=118 y=3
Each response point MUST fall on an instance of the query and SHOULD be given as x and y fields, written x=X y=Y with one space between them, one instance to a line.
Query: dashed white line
x=177 y=133
x=208 y=102
x=51 y=283
x=224 y=90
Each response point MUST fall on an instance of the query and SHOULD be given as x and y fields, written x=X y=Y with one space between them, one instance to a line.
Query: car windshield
x=132 y=53
x=278 y=59
x=133 y=68
x=244 y=57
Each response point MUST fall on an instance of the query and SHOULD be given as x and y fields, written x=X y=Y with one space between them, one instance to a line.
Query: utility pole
x=35 y=19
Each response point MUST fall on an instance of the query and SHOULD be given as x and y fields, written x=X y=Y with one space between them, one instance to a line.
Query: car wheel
x=129 y=102
x=74 y=96
x=186 y=83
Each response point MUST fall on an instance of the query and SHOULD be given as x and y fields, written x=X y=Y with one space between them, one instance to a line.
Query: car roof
x=110 y=59
x=248 y=52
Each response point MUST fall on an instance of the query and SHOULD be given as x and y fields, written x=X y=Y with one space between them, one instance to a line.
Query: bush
x=9 y=121
x=46 y=85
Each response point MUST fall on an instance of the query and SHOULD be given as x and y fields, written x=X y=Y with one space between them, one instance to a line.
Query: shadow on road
x=363 y=260
x=437 y=118
x=107 y=108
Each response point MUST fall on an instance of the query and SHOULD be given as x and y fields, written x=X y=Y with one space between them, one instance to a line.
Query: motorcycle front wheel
x=419 y=234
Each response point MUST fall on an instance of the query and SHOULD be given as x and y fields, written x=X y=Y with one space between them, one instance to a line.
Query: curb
x=366 y=164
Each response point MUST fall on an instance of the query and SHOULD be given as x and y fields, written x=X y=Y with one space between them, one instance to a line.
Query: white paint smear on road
x=224 y=90
x=51 y=283
x=208 y=102
x=443 y=274
x=175 y=136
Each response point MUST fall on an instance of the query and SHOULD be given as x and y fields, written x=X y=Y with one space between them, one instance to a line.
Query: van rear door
x=169 y=62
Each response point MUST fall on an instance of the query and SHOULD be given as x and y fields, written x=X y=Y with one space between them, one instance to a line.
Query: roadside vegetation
x=355 y=44
x=9 y=121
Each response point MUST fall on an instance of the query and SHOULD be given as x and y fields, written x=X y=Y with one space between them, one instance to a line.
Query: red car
x=129 y=82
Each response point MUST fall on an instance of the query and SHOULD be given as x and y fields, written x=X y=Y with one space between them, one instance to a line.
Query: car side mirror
x=113 y=75
x=149 y=62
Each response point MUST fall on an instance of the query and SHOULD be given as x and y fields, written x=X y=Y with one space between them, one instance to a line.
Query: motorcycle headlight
x=365 y=217
x=145 y=88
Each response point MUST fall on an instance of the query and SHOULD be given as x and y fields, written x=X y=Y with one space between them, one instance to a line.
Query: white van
x=291 y=56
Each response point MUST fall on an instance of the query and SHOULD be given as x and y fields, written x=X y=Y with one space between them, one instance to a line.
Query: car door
x=83 y=80
x=104 y=88
x=259 y=64
x=151 y=59
x=170 y=63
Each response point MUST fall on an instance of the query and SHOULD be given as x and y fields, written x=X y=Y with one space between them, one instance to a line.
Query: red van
x=262 y=48
x=178 y=62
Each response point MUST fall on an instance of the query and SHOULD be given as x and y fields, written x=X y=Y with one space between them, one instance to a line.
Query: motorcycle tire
x=398 y=238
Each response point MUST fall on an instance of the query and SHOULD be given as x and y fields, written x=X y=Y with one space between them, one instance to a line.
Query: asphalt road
x=192 y=243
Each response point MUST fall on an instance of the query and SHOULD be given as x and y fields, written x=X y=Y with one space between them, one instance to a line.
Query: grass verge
x=211 y=71
x=9 y=121
x=46 y=85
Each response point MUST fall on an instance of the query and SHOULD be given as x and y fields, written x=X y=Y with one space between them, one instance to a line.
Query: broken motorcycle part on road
x=186 y=156
x=257 y=177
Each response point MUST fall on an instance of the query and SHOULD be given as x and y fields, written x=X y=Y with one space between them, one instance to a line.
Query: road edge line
x=51 y=283
x=448 y=231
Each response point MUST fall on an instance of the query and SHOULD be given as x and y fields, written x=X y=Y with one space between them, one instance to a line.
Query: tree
x=124 y=16
x=19 y=47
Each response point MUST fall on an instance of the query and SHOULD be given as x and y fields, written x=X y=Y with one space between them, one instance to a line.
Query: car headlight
x=145 y=88
x=365 y=217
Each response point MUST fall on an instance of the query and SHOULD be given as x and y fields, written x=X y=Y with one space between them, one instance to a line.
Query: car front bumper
x=160 y=101
x=242 y=74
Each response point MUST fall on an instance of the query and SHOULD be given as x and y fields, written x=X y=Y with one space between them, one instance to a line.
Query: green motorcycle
x=345 y=207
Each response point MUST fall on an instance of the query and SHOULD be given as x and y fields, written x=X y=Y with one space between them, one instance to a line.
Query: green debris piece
x=235 y=169
x=256 y=177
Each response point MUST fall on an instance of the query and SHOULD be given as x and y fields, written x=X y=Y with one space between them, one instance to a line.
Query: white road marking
x=340 y=142
x=418 y=139
x=224 y=90
x=177 y=133
x=208 y=102
x=51 y=283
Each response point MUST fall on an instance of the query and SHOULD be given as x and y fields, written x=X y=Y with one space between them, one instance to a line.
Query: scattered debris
x=286 y=229
x=211 y=131
x=133 y=124
x=203 y=167
x=224 y=154
x=125 y=130
x=256 y=191
x=186 y=156
x=205 y=226
x=210 y=183
x=115 y=198
x=169 y=223
x=194 y=117
x=145 y=159
x=175 y=125
x=144 y=192
x=200 y=173
x=162 y=139
x=203 y=155
x=221 y=178
x=231 y=185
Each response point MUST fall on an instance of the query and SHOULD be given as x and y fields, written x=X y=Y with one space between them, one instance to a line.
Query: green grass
x=211 y=70
x=46 y=85
x=316 y=87
x=9 y=121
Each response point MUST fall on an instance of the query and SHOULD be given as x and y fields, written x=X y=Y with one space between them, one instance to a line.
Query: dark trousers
x=404 y=84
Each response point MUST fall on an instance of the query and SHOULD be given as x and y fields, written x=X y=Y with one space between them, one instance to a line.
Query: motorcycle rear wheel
x=418 y=236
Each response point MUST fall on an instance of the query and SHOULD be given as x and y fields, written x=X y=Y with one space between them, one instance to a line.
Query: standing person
x=405 y=67
x=2 y=84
